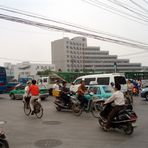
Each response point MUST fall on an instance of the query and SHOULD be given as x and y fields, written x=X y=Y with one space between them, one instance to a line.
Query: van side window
x=88 y=80
x=120 y=80
x=78 y=81
x=103 y=81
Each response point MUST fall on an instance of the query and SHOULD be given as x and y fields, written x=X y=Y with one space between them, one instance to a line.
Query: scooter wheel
x=128 y=129
x=58 y=108
x=101 y=123
x=76 y=109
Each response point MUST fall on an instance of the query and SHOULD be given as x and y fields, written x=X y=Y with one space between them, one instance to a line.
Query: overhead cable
x=48 y=26
x=25 y=13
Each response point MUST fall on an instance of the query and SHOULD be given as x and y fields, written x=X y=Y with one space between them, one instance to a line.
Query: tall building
x=74 y=55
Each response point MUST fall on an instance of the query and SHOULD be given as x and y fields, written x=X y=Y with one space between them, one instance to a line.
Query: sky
x=20 y=42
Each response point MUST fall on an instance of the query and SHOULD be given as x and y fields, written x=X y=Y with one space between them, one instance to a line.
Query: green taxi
x=18 y=92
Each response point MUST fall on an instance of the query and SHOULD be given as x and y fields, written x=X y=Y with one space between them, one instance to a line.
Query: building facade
x=27 y=69
x=74 y=55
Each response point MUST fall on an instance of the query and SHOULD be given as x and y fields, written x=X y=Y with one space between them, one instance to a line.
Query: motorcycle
x=94 y=106
x=135 y=91
x=59 y=102
x=125 y=119
x=3 y=139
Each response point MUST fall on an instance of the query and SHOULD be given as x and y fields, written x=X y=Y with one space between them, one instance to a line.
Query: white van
x=100 y=79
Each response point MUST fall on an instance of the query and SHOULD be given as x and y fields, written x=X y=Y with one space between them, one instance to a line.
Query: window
x=120 y=80
x=107 y=89
x=78 y=81
x=103 y=81
x=88 y=80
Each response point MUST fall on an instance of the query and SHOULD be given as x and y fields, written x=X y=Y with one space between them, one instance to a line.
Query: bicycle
x=38 y=109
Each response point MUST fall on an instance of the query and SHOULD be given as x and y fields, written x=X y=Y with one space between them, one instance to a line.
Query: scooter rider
x=34 y=91
x=64 y=93
x=81 y=91
x=118 y=99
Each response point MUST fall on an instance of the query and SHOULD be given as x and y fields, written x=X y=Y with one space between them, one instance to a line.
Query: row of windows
x=92 y=49
x=112 y=65
x=105 y=57
x=74 y=61
x=74 y=65
x=74 y=43
x=78 y=48
x=74 y=56
x=107 y=61
x=44 y=67
x=74 y=52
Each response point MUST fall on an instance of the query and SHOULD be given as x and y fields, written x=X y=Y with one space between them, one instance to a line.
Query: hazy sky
x=20 y=42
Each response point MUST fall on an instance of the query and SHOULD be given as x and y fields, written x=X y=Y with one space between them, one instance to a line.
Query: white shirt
x=117 y=97
x=55 y=87
x=26 y=91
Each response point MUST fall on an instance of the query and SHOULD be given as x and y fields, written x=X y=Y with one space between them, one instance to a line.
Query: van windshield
x=120 y=79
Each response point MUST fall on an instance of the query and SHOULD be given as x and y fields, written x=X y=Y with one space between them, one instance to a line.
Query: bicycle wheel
x=27 y=109
x=38 y=110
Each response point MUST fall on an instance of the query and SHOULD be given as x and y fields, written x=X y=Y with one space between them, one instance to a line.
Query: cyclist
x=26 y=94
x=34 y=91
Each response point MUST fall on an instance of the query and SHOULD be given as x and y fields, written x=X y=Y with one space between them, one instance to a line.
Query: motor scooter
x=59 y=102
x=3 y=139
x=93 y=106
x=125 y=119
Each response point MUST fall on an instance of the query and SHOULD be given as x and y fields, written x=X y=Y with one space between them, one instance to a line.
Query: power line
x=64 y=23
x=145 y=1
x=47 y=26
x=117 y=11
x=25 y=13
x=139 y=6
x=127 y=8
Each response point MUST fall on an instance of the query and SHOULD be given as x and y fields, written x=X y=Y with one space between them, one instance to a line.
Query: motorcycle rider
x=34 y=91
x=64 y=93
x=56 y=86
x=119 y=101
x=81 y=91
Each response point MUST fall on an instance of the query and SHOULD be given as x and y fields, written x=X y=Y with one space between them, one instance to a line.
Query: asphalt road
x=64 y=130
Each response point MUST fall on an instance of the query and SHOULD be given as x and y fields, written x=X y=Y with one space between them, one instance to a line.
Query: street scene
x=65 y=130
x=73 y=74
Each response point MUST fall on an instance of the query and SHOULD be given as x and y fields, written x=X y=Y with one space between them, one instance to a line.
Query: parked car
x=100 y=91
x=144 y=93
x=144 y=83
x=18 y=91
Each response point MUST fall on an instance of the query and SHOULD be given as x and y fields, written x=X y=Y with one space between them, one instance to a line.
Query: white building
x=67 y=54
x=74 y=55
x=27 y=69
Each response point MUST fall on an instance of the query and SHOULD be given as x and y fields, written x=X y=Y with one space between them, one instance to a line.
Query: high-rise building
x=74 y=55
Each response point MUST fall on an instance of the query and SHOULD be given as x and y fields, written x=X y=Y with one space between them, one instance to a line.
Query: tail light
x=133 y=117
